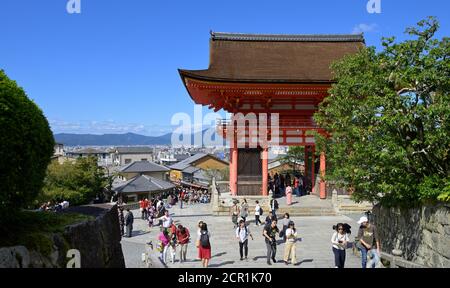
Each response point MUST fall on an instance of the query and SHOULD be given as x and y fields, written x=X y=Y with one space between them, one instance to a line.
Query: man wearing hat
x=368 y=235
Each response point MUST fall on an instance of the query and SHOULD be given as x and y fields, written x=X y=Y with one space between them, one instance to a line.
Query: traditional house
x=144 y=168
x=127 y=155
x=141 y=187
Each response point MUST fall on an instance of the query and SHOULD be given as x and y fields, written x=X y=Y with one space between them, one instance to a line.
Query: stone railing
x=396 y=260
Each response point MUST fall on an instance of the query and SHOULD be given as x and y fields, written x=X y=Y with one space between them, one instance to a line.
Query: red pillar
x=233 y=170
x=306 y=161
x=313 y=169
x=265 y=171
x=323 y=192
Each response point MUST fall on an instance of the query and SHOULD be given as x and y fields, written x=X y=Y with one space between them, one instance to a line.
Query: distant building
x=59 y=150
x=194 y=169
x=103 y=155
x=141 y=187
x=127 y=155
x=144 y=168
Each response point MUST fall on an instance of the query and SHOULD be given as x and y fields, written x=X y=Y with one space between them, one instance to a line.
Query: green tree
x=79 y=182
x=388 y=115
x=26 y=146
x=294 y=156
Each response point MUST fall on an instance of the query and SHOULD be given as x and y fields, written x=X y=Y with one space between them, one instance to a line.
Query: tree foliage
x=77 y=182
x=388 y=115
x=294 y=156
x=26 y=146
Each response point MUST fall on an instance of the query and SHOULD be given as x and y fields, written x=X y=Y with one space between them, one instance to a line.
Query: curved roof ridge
x=227 y=36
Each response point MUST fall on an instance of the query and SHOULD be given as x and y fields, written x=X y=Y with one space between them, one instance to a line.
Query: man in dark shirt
x=129 y=219
x=368 y=235
x=270 y=231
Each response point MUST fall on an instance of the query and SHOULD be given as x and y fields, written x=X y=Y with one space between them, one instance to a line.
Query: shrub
x=26 y=146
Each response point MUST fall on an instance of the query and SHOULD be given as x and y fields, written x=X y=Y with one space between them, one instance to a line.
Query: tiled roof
x=274 y=58
x=143 y=183
x=187 y=162
x=134 y=150
x=143 y=166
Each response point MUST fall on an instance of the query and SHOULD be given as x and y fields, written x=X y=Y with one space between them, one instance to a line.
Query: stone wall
x=97 y=240
x=423 y=234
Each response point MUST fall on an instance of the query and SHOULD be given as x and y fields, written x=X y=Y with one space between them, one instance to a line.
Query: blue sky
x=113 y=68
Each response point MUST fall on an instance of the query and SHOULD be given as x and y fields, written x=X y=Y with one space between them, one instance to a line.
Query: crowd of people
x=57 y=206
x=278 y=183
x=172 y=238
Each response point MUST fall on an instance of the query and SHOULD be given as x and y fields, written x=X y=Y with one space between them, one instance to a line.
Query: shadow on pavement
x=303 y=261
x=221 y=264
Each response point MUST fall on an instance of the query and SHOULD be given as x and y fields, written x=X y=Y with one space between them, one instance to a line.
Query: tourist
x=141 y=208
x=269 y=218
x=129 y=219
x=204 y=245
x=172 y=248
x=285 y=222
x=242 y=233
x=164 y=239
x=288 y=195
x=367 y=236
x=166 y=220
x=339 y=241
x=289 y=248
x=244 y=210
x=234 y=211
x=146 y=206
x=182 y=193
x=183 y=237
x=269 y=233
x=197 y=241
x=121 y=220
x=258 y=213
x=296 y=187
x=274 y=207
x=151 y=216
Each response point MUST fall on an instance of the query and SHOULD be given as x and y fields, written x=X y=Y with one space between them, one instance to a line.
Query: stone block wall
x=423 y=234
x=97 y=240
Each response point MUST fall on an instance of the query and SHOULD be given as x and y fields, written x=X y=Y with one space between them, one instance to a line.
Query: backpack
x=261 y=211
x=204 y=239
x=246 y=231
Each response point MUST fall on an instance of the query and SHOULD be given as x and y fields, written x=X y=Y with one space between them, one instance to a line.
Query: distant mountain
x=128 y=139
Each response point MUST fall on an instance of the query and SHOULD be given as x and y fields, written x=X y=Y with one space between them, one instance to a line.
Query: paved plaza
x=313 y=249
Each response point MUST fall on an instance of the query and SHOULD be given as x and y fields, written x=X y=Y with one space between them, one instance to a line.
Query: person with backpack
x=258 y=213
x=242 y=233
x=285 y=222
x=270 y=231
x=204 y=252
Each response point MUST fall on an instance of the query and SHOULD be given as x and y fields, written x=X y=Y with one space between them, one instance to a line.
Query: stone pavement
x=313 y=250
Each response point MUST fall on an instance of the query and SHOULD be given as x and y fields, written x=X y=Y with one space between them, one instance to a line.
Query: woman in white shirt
x=289 y=248
x=257 y=213
x=339 y=241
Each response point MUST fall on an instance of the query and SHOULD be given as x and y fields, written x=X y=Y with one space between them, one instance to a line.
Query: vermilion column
x=313 y=169
x=265 y=171
x=233 y=170
x=323 y=192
